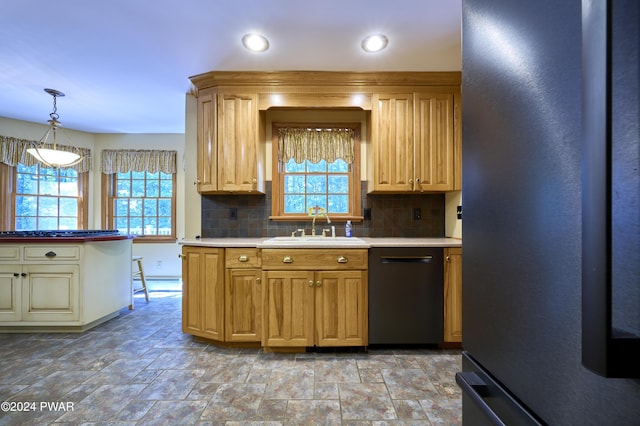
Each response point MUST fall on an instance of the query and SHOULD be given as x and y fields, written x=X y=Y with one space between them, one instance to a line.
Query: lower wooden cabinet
x=322 y=307
x=203 y=291
x=453 y=294
x=243 y=295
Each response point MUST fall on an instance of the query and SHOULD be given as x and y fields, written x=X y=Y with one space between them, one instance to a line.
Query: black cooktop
x=60 y=233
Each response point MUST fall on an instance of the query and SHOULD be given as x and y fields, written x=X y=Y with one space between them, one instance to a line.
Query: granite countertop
x=366 y=242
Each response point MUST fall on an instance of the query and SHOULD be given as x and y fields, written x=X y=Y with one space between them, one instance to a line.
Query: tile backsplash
x=391 y=216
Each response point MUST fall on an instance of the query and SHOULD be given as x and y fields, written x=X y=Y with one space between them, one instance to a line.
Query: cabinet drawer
x=241 y=258
x=52 y=253
x=314 y=259
x=9 y=253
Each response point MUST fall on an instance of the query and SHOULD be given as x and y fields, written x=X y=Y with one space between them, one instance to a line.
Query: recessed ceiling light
x=255 y=42
x=374 y=43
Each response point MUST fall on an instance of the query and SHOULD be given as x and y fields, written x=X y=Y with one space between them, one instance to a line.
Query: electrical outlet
x=459 y=212
x=367 y=213
x=233 y=213
x=417 y=213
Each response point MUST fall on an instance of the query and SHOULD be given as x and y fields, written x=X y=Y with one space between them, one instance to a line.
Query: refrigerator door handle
x=474 y=387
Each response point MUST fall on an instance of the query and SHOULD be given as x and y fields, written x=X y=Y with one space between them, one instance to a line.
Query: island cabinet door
x=10 y=293
x=288 y=308
x=341 y=308
x=51 y=293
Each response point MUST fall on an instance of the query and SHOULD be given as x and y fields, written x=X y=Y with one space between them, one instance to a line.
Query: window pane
x=293 y=167
x=164 y=207
x=339 y=166
x=319 y=167
x=164 y=226
x=338 y=204
x=48 y=206
x=294 y=204
x=166 y=187
x=339 y=184
x=135 y=225
x=152 y=188
x=26 y=206
x=48 y=183
x=69 y=207
x=25 y=223
x=137 y=188
x=150 y=226
x=137 y=175
x=26 y=183
x=316 y=200
x=68 y=223
x=126 y=175
x=48 y=223
x=122 y=224
x=135 y=207
x=294 y=184
x=123 y=188
x=317 y=184
x=150 y=207
x=122 y=207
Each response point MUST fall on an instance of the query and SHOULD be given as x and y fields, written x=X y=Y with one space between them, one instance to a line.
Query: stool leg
x=144 y=282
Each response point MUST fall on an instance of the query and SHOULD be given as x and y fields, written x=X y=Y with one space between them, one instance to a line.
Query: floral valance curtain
x=14 y=151
x=316 y=144
x=138 y=160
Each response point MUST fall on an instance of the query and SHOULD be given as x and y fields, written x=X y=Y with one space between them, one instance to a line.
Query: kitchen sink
x=314 y=241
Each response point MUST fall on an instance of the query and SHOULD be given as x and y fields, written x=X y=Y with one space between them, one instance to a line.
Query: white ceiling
x=124 y=65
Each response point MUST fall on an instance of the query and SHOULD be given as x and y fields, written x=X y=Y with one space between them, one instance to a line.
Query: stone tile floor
x=140 y=369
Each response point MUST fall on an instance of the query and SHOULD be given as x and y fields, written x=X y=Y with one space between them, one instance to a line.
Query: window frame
x=277 y=176
x=8 y=181
x=108 y=185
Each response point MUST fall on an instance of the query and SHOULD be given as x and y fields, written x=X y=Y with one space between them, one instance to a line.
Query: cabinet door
x=10 y=293
x=392 y=142
x=207 y=173
x=51 y=293
x=243 y=305
x=288 y=308
x=203 y=286
x=433 y=160
x=238 y=143
x=453 y=294
x=341 y=308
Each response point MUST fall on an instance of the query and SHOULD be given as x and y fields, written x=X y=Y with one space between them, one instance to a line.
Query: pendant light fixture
x=47 y=152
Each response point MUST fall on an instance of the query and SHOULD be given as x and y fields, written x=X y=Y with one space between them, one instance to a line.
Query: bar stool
x=140 y=273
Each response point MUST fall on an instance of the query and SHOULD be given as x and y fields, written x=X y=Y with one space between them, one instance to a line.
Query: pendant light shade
x=47 y=152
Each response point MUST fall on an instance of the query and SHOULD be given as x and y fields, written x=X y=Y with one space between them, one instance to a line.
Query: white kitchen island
x=63 y=284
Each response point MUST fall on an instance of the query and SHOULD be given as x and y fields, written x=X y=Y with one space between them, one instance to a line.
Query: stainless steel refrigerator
x=551 y=226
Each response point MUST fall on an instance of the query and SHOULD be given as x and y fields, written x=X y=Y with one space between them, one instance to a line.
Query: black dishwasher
x=405 y=295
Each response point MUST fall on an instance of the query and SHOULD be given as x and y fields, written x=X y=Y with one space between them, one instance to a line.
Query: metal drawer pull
x=310 y=283
x=287 y=259
x=51 y=254
x=258 y=280
x=342 y=259
x=243 y=258
x=318 y=283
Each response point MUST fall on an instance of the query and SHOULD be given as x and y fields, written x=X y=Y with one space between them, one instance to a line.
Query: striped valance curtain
x=138 y=160
x=14 y=151
x=316 y=145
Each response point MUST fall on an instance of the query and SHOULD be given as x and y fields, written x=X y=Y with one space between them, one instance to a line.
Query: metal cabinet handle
x=318 y=283
x=15 y=274
x=287 y=259
x=23 y=274
x=448 y=258
x=50 y=254
x=342 y=259
x=258 y=280
x=182 y=256
x=310 y=283
x=243 y=258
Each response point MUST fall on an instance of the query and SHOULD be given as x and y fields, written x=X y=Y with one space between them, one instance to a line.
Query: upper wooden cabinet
x=414 y=129
x=230 y=153
x=412 y=143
